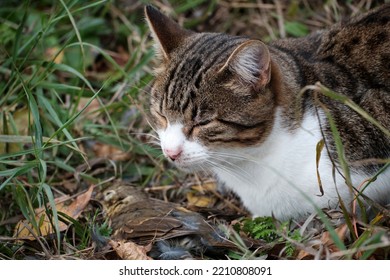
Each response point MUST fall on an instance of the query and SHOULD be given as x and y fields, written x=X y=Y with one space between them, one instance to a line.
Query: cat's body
x=231 y=105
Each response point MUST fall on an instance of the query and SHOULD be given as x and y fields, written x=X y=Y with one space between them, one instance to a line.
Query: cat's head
x=211 y=93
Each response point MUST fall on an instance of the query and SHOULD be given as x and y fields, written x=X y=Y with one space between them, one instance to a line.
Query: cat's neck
x=284 y=87
x=287 y=77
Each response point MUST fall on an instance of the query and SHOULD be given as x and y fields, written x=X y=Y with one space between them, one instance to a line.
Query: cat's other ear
x=167 y=34
x=251 y=62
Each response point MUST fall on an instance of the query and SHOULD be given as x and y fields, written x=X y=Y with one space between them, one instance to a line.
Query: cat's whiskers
x=218 y=161
x=128 y=87
x=154 y=143
x=161 y=156
x=222 y=164
x=232 y=171
x=223 y=157
x=203 y=168
x=150 y=124
x=146 y=134
x=232 y=156
x=230 y=165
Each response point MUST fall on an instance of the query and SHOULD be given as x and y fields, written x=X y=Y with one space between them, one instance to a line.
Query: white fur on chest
x=279 y=178
x=278 y=171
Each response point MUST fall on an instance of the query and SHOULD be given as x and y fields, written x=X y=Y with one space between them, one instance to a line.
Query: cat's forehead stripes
x=186 y=71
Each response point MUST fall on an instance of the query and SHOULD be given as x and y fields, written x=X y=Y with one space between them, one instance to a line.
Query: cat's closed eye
x=160 y=118
x=203 y=122
x=197 y=125
x=199 y=119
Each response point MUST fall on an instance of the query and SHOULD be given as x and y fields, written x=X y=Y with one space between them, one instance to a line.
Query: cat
x=234 y=106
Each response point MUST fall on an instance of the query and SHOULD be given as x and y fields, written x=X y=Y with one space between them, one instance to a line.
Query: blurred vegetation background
x=74 y=83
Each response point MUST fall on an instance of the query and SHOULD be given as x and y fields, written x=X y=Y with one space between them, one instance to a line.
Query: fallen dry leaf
x=21 y=119
x=202 y=196
x=92 y=111
x=70 y=185
x=110 y=152
x=128 y=250
x=327 y=241
x=121 y=56
x=208 y=186
x=23 y=228
x=52 y=53
x=199 y=200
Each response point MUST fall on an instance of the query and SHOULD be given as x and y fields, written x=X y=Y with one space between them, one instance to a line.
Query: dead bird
x=175 y=232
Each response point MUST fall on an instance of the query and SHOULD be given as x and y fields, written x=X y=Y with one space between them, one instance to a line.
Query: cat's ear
x=251 y=62
x=167 y=34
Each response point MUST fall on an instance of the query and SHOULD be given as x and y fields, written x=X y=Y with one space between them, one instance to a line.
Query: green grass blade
x=76 y=30
x=103 y=53
x=47 y=105
x=339 y=148
x=54 y=212
x=22 y=198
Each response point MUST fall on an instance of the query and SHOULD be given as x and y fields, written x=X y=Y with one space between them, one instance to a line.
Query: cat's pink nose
x=173 y=154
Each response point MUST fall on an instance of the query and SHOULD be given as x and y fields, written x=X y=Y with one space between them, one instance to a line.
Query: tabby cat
x=234 y=106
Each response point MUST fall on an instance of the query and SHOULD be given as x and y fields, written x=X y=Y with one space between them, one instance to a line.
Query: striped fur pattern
x=230 y=105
